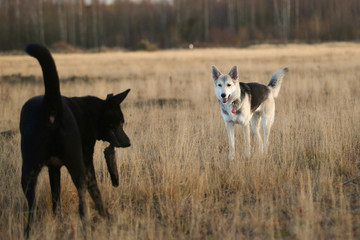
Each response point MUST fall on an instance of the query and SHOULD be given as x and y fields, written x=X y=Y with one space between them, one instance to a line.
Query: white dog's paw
x=261 y=150
x=264 y=149
x=247 y=153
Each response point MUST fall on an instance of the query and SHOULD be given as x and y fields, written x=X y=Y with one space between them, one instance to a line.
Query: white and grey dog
x=247 y=104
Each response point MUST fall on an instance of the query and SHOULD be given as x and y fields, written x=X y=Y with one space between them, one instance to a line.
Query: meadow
x=175 y=180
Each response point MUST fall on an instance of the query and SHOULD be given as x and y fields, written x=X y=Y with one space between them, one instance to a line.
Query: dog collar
x=235 y=105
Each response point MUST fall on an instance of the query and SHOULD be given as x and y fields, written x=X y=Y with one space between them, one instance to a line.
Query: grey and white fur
x=247 y=104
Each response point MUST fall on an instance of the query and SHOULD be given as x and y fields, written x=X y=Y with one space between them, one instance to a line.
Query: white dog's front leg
x=246 y=129
x=230 y=128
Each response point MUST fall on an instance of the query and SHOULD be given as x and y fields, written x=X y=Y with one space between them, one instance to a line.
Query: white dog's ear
x=215 y=73
x=234 y=73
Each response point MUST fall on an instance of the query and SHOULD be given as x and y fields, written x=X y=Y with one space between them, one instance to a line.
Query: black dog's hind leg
x=28 y=183
x=77 y=172
x=54 y=175
x=95 y=192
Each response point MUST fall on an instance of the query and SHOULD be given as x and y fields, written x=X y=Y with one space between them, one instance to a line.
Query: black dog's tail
x=52 y=97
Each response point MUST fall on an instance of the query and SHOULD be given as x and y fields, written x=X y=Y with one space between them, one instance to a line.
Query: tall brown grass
x=175 y=179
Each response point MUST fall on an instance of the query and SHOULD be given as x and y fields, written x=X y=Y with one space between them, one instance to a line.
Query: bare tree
x=286 y=18
x=168 y=23
x=206 y=20
x=61 y=5
x=41 y=26
x=94 y=7
x=82 y=22
x=17 y=22
x=278 y=17
x=253 y=14
x=72 y=19
x=231 y=15
x=297 y=15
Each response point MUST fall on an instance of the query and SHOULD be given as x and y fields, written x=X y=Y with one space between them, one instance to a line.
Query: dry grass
x=175 y=180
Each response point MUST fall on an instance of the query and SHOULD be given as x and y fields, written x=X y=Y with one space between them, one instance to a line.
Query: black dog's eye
x=112 y=124
x=219 y=85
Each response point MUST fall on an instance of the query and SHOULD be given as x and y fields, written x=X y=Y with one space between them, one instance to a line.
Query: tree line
x=176 y=23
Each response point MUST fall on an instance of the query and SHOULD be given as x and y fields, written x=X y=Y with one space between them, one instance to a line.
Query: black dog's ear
x=120 y=97
x=110 y=95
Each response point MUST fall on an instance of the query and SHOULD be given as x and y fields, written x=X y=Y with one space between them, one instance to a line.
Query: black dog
x=56 y=131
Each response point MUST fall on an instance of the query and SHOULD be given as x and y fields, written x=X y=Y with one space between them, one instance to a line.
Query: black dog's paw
x=27 y=232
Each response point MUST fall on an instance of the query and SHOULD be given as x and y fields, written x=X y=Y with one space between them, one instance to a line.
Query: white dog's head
x=226 y=85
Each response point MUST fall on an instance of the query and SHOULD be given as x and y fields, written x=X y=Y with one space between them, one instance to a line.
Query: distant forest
x=176 y=23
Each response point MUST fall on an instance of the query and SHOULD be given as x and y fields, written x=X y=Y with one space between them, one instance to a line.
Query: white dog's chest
x=226 y=113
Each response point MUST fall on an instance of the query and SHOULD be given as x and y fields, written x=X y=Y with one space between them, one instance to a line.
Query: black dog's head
x=112 y=120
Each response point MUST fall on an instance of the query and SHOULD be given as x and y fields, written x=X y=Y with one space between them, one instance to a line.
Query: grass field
x=175 y=179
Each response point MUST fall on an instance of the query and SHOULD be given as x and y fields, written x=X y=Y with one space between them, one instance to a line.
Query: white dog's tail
x=276 y=80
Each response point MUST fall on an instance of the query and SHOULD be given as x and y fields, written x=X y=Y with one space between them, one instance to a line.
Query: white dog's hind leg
x=246 y=129
x=230 y=128
x=255 y=127
x=267 y=124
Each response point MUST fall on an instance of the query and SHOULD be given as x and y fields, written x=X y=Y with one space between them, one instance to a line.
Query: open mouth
x=224 y=100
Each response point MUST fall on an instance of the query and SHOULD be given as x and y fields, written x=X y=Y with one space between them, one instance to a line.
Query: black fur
x=257 y=92
x=56 y=131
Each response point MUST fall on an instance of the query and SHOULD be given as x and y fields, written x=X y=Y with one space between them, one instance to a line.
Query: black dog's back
x=37 y=128
x=45 y=119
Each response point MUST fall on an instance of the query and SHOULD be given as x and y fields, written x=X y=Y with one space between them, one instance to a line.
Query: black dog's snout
x=223 y=95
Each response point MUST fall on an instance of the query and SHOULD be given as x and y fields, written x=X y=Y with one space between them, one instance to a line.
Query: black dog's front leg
x=54 y=175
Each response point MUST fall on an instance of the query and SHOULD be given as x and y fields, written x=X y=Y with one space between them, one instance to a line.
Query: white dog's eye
x=229 y=85
x=219 y=85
